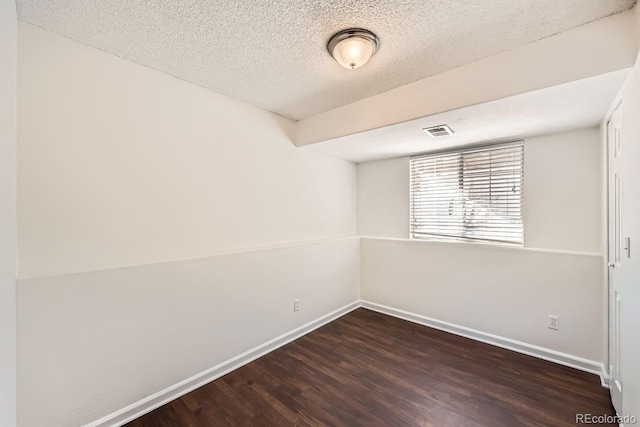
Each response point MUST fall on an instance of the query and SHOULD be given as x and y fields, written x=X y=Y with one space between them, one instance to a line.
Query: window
x=471 y=194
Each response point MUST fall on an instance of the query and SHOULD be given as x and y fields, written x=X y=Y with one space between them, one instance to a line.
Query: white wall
x=93 y=343
x=492 y=289
x=562 y=172
x=8 y=257
x=383 y=198
x=495 y=289
x=119 y=165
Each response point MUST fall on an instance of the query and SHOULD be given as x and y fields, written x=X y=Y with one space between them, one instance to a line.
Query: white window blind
x=473 y=194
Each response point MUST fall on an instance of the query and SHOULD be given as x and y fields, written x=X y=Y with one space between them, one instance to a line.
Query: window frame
x=463 y=239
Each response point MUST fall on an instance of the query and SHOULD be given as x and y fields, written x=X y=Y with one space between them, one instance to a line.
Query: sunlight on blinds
x=473 y=194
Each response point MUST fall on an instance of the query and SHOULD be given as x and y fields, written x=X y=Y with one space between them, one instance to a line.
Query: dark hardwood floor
x=368 y=369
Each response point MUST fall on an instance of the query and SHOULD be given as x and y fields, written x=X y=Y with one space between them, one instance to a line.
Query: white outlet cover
x=554 y=322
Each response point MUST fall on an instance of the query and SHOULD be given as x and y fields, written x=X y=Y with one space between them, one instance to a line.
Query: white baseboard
x=565 y=359
x=173 y=392
x=605 y=378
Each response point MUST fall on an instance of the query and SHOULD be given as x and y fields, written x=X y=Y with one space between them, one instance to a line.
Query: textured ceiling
x=271 y=53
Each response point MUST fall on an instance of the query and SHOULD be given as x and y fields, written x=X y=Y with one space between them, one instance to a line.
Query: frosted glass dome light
x=352 y=48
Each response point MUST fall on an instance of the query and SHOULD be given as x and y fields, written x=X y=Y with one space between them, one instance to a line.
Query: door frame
x=607 y=219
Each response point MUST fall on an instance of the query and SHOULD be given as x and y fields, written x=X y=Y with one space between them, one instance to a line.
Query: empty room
x=319 y=213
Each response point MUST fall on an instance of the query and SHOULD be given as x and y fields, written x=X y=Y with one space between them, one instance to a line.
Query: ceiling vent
x=438 y=131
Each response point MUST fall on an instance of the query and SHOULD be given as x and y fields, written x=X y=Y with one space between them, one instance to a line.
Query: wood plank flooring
x=369 y=369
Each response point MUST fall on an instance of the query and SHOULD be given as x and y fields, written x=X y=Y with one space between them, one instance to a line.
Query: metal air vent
x=438 y=131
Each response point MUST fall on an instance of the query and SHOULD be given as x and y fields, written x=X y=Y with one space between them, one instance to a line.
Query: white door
x=616 y=252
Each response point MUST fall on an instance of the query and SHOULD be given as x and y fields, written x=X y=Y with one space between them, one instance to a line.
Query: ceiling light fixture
x=352 y=48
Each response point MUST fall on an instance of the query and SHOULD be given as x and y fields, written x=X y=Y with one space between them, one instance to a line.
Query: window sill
x=467 y=241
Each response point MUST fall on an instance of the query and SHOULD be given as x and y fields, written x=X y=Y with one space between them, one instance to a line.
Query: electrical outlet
x=554 y=322
x=296 y=305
